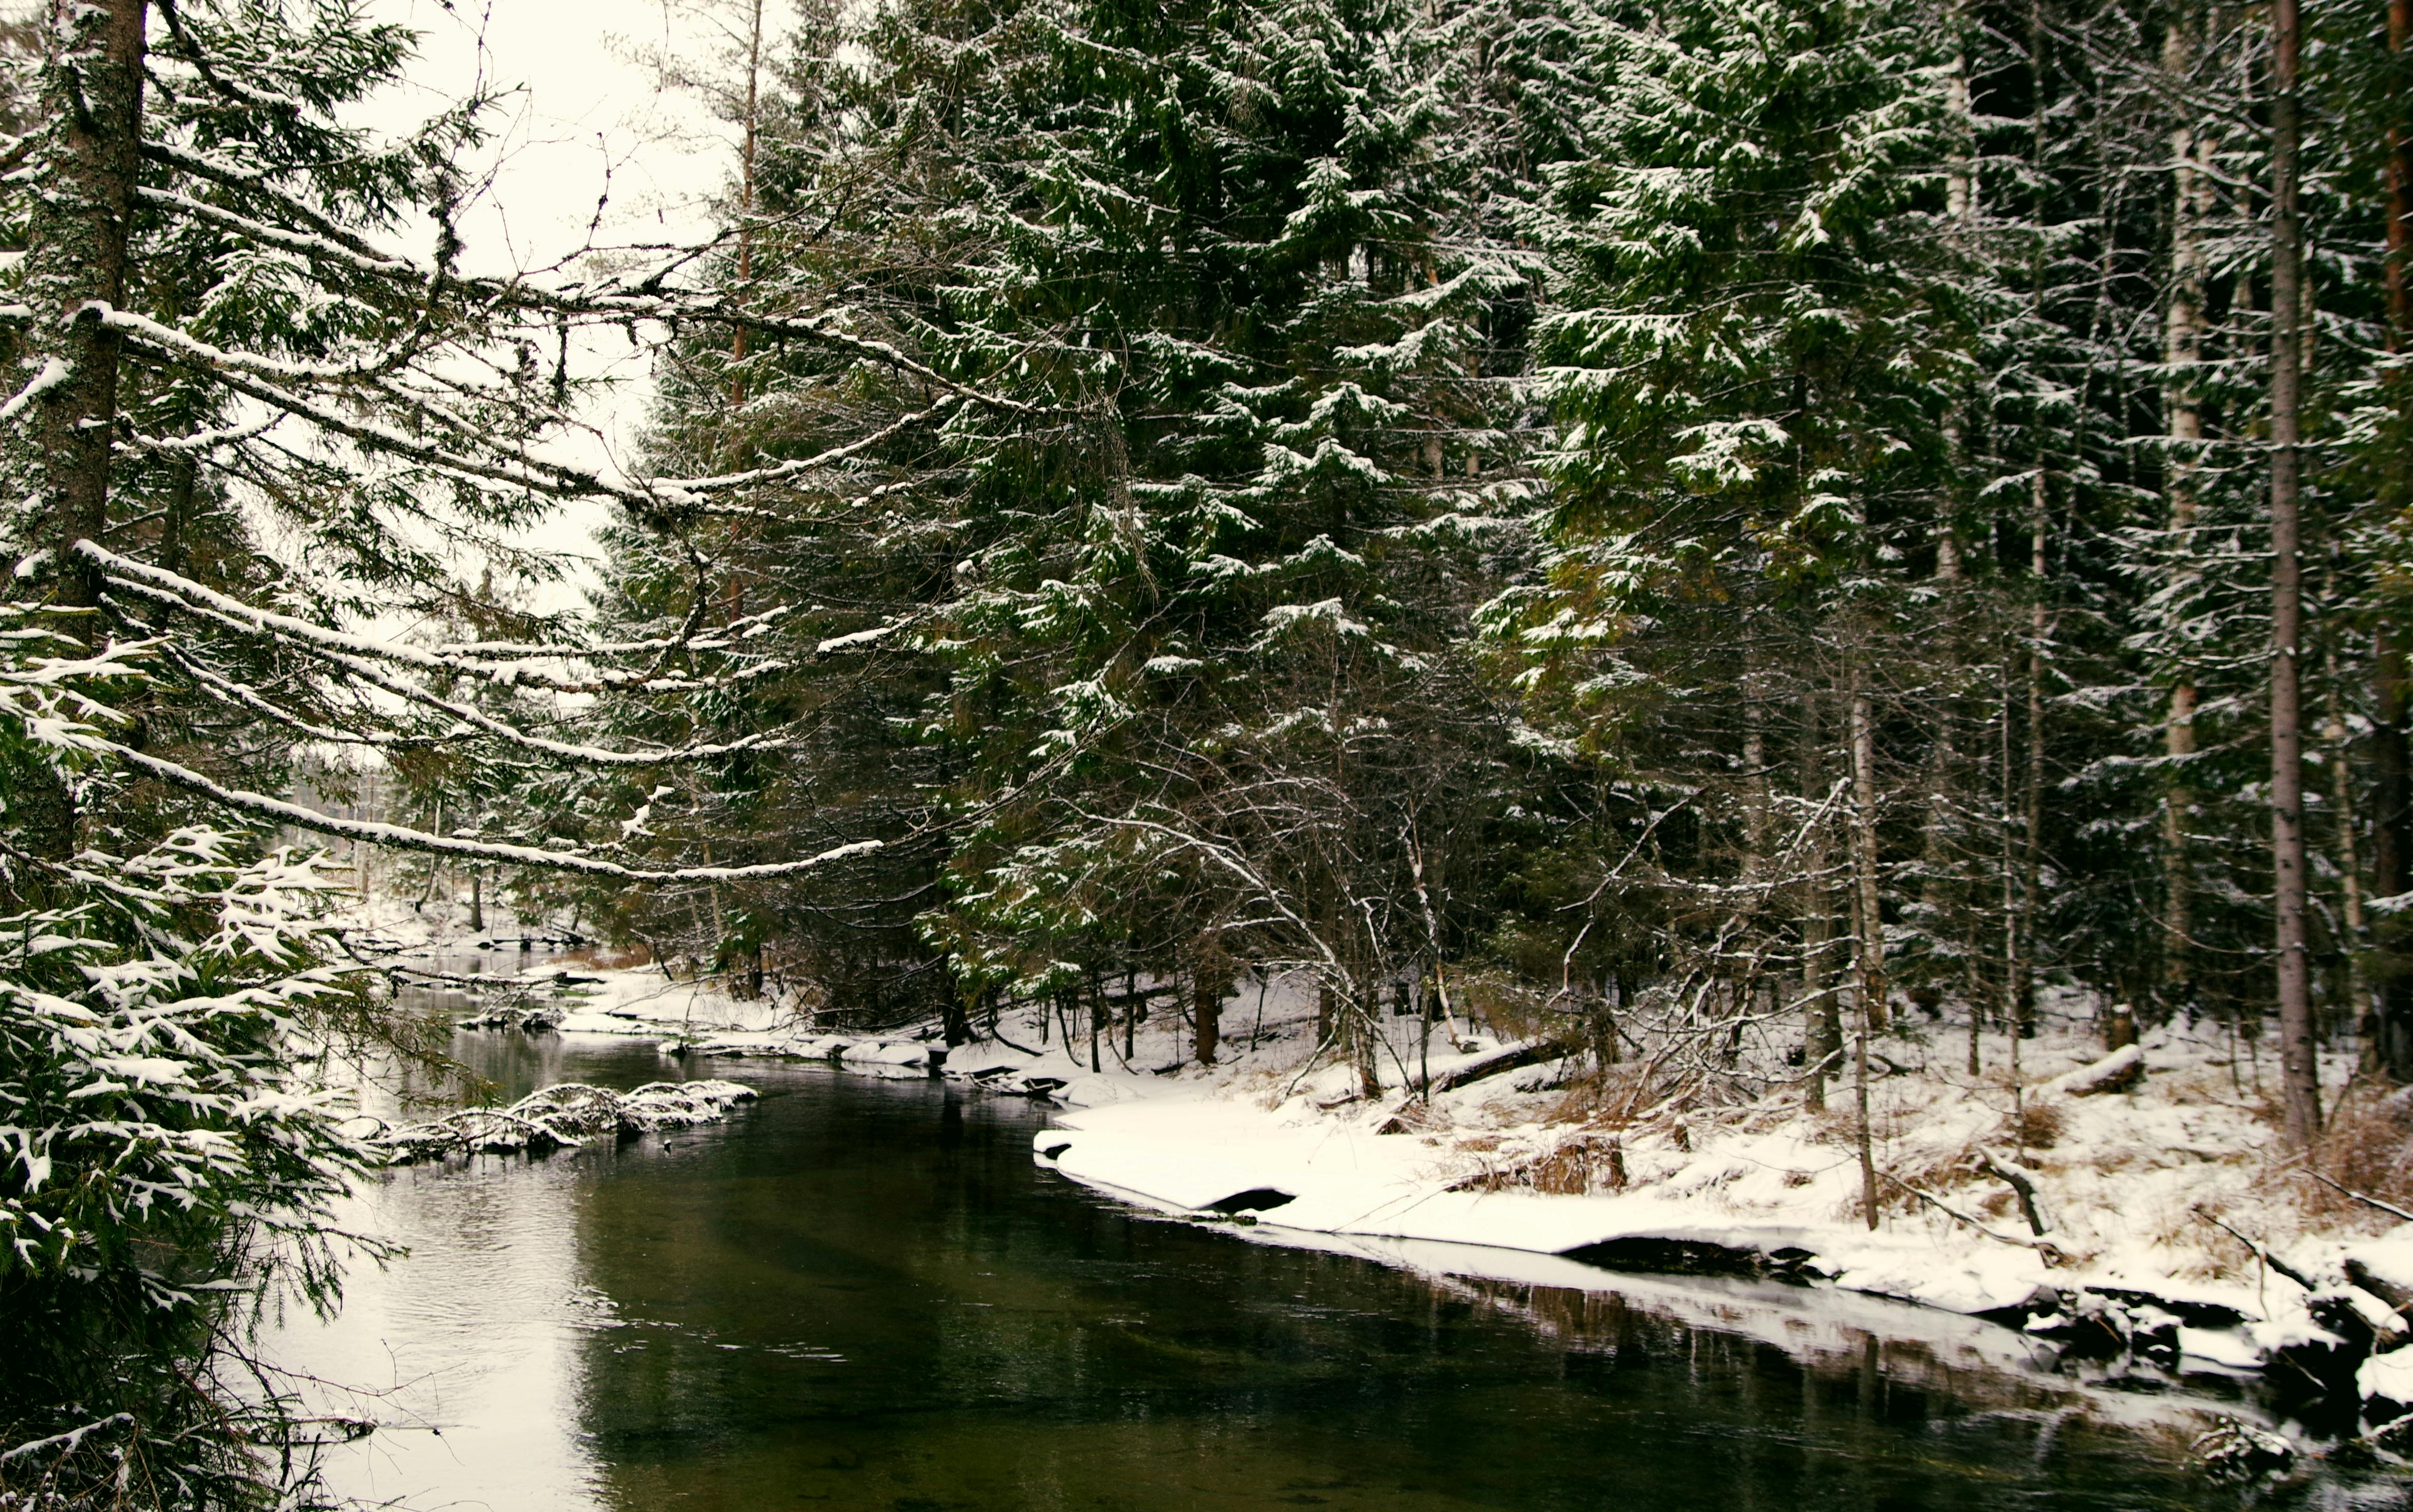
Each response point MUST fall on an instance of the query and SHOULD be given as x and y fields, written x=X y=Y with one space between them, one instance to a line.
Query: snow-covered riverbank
x=2172 y=1228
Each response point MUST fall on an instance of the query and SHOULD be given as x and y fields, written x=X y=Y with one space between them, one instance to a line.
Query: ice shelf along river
x=864 y=1294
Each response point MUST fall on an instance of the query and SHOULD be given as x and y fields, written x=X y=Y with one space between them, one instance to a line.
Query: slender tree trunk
x=746 y=159
x=1868 y=987
x=2392 y=849
x=2398 y=174
x=1869 y=957
x=2032 y=842
x=1133 y=1006
x=2349 y=862
x=2300 y=1073
x=1821 y=1031
x=2391 y=838
x=2182 y=417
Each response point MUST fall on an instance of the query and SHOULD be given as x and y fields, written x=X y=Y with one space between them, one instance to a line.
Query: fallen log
x=2119 y=1071
x=1499 y=1062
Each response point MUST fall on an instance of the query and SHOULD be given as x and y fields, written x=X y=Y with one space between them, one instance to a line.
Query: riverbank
x=858 y=1291
x=2176 y=1242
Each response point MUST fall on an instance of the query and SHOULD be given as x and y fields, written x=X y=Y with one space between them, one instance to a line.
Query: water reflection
x=862 y=1294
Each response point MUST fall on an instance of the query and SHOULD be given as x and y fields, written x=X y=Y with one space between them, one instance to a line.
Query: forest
x=1726 y=533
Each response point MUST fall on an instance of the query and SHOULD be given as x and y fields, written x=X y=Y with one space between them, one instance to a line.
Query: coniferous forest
x=1719 y=530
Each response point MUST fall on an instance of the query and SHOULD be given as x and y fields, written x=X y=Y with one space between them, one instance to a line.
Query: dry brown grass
x=2038 y=1126
x=2367 y=1145
x=1575 y=1166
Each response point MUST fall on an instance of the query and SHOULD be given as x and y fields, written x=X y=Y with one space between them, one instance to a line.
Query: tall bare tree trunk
x=2024 y=987
x=1869 y=986
x=2349 y=858
x=1868 y=958
x=2182 y=419
x=2390 y=1039
x=1821 y=1031
x=2391 y=855
x=2299 y=1068
x=748 y=151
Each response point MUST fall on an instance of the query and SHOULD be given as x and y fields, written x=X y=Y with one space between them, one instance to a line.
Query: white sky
x=583 y=117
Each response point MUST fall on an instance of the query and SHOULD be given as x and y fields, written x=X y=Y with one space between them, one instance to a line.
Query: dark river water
x=864 y=1294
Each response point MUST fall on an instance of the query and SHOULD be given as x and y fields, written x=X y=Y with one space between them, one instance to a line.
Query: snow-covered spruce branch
x=166 y=339
x=514 y=672
x=365 y=260
x=519 y=470
x=268 y=709
x=643 y=301
x=471 y=721
x=69 y=1442
x=228 y=175
x=778 y=470
x=402 y=837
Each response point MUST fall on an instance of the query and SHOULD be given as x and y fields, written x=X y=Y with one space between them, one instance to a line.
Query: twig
x=2022 y=1182
x=2045 y=1247
x=73 y=1438
x=2389 y=1209
x=999 y=1036
x=2260 y=1253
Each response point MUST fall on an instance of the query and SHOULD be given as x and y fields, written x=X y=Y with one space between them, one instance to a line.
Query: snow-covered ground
x=2172 y=1221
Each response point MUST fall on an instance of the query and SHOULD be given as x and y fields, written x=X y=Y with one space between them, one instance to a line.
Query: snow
x=2388 y=1377
x=1451 y=1187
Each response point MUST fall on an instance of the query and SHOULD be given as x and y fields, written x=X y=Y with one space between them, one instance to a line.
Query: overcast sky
x=583 y=116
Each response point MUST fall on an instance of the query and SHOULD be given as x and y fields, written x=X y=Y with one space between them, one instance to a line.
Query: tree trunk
x=2023 y=986
x=2398 y=173
x=2300 y=1077
x=1207 y=1014
x=746 y=158
x=1869 y=956
x=76 y=257
x=1365 y=1026
x=77 y=266
x=2392 y=841
x=1821 y=1032
x=2392 y=1036
x=2183 y=420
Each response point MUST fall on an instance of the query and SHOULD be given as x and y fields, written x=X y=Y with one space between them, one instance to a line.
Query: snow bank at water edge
x=567 y=1113
x=2176 y=1242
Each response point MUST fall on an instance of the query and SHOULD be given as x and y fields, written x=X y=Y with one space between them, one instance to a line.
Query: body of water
x=863 y=1294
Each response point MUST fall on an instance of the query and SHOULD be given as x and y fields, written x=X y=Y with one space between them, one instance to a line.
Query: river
x=863 y=1294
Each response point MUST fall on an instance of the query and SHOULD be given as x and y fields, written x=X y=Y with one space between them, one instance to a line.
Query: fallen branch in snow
x=1503 y=1061
x=2119 y=1071
x=2046 y=1248
x=999 y=1036
x=2261 y=1253
x=2398 y=1299
x=2389 y=1209
x=2023 y=1183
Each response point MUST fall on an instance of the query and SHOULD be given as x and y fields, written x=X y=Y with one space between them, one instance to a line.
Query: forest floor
x=2177 y=1241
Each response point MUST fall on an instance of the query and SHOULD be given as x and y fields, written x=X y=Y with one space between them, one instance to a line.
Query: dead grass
x=1575 y=1166
x=2038 y=1126
x=2367 y=1145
